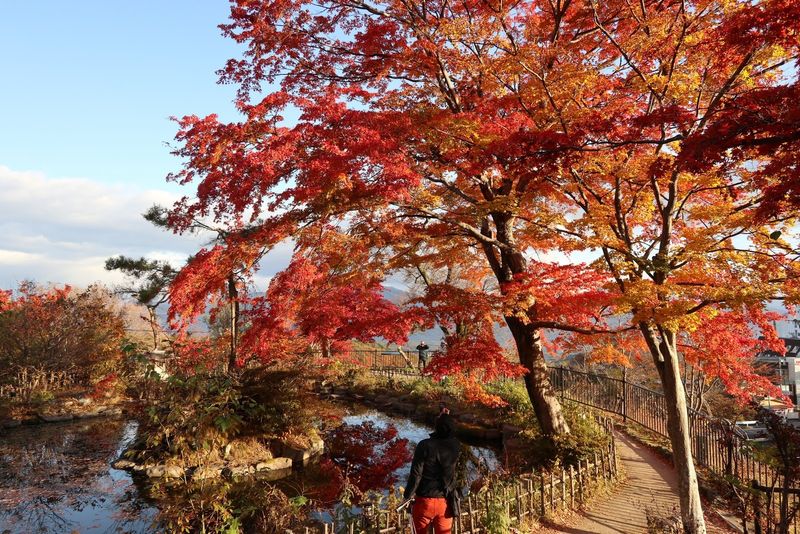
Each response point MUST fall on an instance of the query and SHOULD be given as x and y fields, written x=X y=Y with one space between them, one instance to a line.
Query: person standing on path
x=431 y=482
x=422 y=351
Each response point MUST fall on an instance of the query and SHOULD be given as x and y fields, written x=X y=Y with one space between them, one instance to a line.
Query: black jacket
x=434 y=465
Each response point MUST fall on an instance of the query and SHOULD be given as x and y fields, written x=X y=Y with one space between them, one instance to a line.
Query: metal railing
x=717 y=444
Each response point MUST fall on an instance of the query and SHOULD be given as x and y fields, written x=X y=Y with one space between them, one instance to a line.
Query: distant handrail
x=717 y=444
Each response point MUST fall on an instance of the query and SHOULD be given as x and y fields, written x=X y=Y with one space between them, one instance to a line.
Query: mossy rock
x=274 y=469
x=207 y=472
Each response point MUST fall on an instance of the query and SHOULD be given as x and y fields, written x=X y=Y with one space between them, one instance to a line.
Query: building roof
x=792 y=351
x=774 y=404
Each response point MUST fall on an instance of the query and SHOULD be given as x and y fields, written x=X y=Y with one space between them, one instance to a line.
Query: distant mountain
x=431 y=337
x=434 y=336
x=789 y=327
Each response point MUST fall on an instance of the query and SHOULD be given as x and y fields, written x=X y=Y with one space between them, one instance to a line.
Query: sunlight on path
x=648 y=485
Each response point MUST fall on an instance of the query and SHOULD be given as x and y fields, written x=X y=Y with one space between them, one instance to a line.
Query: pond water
x=384 y=469
x=57 y=477
x=484 y=457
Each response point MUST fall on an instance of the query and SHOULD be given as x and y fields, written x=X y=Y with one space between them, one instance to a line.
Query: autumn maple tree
x=324 y=299
x=504 y=135
x=672 y=183
x=412 y=133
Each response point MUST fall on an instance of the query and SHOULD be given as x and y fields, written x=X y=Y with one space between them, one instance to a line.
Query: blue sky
x=89 y=86
x=86 y=92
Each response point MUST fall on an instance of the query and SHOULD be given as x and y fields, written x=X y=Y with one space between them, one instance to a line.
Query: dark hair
x=445 y=426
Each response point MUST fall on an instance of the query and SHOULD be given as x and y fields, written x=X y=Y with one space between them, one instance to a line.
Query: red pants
x=431 y=511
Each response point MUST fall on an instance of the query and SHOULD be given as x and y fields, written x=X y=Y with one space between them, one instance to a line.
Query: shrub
x=537 y=450
x=229 y=508
x=195 y=417
x=196 y=413
x=497 y=519
x=432 y=389
x=587 y=435
x=58 y=332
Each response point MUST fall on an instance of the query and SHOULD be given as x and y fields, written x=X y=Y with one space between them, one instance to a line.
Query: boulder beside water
x=274 y=469
x=270 y=469
x=165 y=471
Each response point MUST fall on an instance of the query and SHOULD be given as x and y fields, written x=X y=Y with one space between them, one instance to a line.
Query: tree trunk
x=783 y=517
x=233 y=298
x=325 y=348
x=537 y=381
x=506 y=263
x=665 y=356
x=153 y=326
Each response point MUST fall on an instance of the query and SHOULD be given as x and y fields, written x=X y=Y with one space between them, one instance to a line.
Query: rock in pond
x=55 y=418
x=88 y=414
x=164 y=471
x=470 y=431
x=238 y=471
x=467 y=418
x=383 y=399
x=11 y=423
x=510 y=430
x=274 y=469
x=303 y=455
x=492 y=434
x=405 y=408
x=122 y=463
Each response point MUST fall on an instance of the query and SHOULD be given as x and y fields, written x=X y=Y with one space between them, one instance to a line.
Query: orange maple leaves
x=642 y=138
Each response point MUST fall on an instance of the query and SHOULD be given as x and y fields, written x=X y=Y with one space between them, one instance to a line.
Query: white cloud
x=61 y=230
x=15 y=257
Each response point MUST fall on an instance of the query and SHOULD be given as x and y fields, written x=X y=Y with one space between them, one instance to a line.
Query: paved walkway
x=648 y=485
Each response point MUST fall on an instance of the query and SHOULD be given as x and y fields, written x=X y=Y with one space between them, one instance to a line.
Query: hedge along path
x=650 y=484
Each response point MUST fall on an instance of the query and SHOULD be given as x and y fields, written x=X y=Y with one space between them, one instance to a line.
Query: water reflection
x=361 y=457
x=56 y=478
x=375 y=451
x=482 y=458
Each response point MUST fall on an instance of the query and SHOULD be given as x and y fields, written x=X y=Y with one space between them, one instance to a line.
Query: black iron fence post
x=730 y=436
x=625 y=394
x=756 y=508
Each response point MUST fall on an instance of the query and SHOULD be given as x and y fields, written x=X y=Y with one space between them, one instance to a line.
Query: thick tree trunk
x=665 y=356
x=506 y=263
x=325 y=348
x=537 y=381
